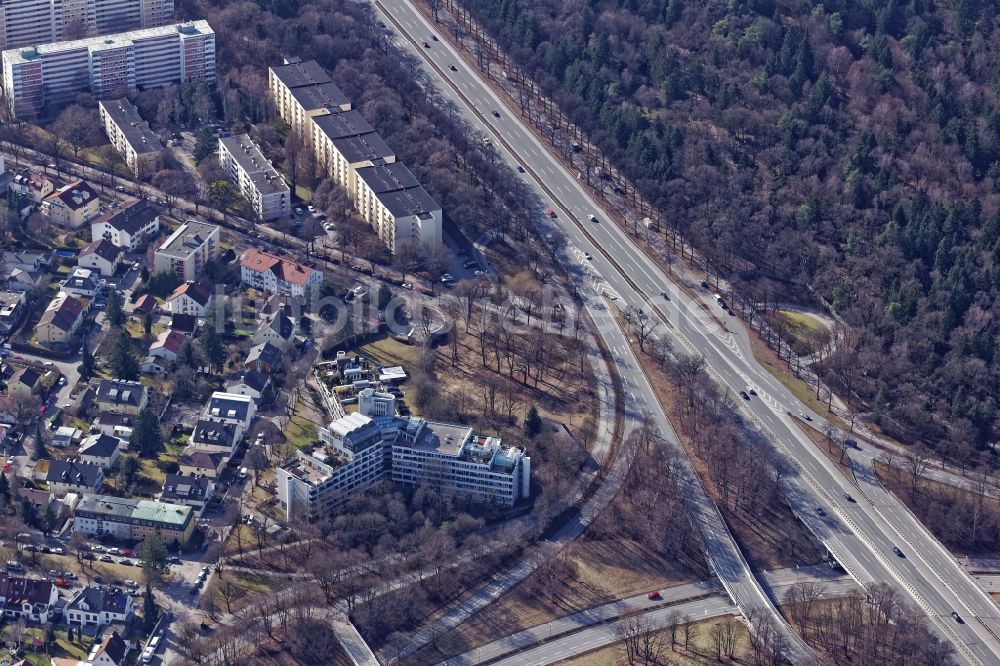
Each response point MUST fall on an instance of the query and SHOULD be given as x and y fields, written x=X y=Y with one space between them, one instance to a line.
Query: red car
x=550 y=213
x=654 y=595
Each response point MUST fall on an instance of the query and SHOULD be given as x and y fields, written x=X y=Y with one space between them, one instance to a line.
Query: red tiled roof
x=289 y=271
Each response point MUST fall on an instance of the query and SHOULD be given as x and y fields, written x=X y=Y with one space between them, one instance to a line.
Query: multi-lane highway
x=862 y=529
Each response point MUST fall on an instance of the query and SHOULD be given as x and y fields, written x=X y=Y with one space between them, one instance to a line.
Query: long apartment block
x=258 y=180
x=27 y=22
x=372 y=444
x=131 y=136
x=109 y=66
x=388 y=196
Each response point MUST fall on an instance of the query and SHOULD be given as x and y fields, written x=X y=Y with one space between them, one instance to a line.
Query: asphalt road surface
x=861 y=533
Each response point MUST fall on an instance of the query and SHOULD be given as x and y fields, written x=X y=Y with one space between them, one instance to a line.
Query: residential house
x=166 y=345
x=202 y=462
x=65 y=436
x=103 y=450
x=17 y=279
x=278 y=329
x=123 y=397
x=184 y=323
x=32 y=261
x=250 y=383
x=34 y=186
x=13 y=306
x=192 y=298
x=112 y=651
x=192 y=491
x=102 y=256
x=267 y=272
x=215 y=435
x=144 y=304
x=82 y=282
x=129 y=227
x=114 y=424
x=30 y=599
x=68 y=476
x=239 y=410
x=73 y=205
x=264 y=358
x=40 y=499
x=60 y=321
x=24 y=383
x=99 y=606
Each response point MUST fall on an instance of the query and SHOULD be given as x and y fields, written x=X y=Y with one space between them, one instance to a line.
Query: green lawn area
x=257 y=582
x=62 y=648
x=806 y=329
x=300 y=432
x=390 y=351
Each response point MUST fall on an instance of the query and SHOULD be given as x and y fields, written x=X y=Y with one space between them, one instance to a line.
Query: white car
x=311 y=208
x=588 y=255
x=592 y=218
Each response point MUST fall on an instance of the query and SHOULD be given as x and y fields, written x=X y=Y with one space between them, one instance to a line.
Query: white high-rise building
x=109 y=66
x=30 y=22
x=257 y=179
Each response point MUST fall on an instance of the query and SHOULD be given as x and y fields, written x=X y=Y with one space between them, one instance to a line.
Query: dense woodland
x=850 y=145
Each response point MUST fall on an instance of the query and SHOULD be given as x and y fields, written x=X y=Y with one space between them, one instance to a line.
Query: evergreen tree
x=86 y=363
x=532 y=423
x=211 y=340
x=39 y=451
x=146 y=439
x=116 y=309
x=186 y=356
x=155 y=558
x=4 y=491
x=147 y=324
x=124 y=365
x=149 y=608
x=69 y=634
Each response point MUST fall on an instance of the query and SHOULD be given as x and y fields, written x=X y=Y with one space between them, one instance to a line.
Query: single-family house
x=192 y=298
x=251 y=383
x=166 y=345
x=101 y=449
x=101 y=256
x=18 y=279
x=264 y=358
x=239 y=410
x=25 y=382
x=213 y=434
x=82 y=282
x=60 y=321
x=13 y=307
x=144 y=304
x=67 y=476
x=99 y=606
x=114 y=424
x=184 y=323
x=31 y=599
x=278 y=329
x=34 y=186
x=202 y=462
x=192 y=491
x=123 y=397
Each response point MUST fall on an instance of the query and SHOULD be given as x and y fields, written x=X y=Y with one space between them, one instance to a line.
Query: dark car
x=426 y=45
x=958 y=618
x=898 y=552
x=744 y=395
x=496 y=114
x=453 y=68
x=850 y=499
x=820 y=511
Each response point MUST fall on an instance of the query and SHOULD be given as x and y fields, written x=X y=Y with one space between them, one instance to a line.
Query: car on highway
x=898 y=552
x=550 y=213
x=654 y=595
x=592 y=217
x=805 y=416
x=665 y=295
x=588 y=255
x=520 y=169
x=820 y=511
x=434 y=37
x=850 y=499
x=426 y=45
x=496 y=114
x=958 y=618
x=751 y=390
x=744 y=395
x=453 y=68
